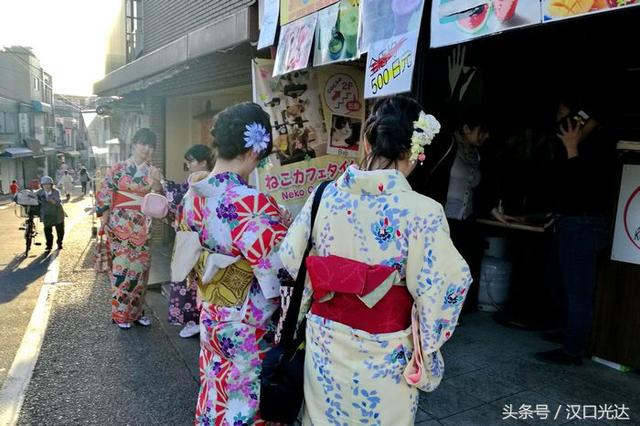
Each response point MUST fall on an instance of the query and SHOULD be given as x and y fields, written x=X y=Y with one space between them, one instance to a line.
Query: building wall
x=15 y=82
x=116 y=55
x=166 y=20
x=178 y=116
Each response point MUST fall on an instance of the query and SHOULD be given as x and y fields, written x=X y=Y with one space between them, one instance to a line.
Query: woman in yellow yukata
x=381 y=256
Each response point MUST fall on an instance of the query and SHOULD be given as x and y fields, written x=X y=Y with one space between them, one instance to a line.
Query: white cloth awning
x=16 y=152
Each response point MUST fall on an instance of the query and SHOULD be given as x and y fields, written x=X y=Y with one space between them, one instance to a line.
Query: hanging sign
x=294 y=45
x=382 y=20
x=290 y=10
x=269 y=23
x=626 y=238
x=293 y=104
x=456 y=21
x=290 y=185
x=390 y=66
x=337 y=33
x=341 y=91
x=562 y=9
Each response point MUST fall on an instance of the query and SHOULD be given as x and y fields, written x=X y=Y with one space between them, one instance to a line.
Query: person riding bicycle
x=51 y=212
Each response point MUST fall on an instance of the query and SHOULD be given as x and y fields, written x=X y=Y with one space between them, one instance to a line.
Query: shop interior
x=519 y=76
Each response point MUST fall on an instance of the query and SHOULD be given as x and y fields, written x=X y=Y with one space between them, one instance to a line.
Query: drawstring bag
x=281 y=381
x=155 y=205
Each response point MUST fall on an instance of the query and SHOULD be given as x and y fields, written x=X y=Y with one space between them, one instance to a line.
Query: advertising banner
x=292 y=184
x=382 y=20
x=626 y=238
x=293 y=103
x=456 y=21
x=294 y=45
x=290 y=10
x=337 y=33
x=390 y=66
x=341 y=93
x=560 y=9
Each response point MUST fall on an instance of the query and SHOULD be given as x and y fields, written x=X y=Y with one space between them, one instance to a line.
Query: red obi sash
x=127 y=200
x=340 y=285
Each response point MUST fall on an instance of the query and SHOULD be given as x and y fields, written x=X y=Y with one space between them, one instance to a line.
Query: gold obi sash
x=230 y=284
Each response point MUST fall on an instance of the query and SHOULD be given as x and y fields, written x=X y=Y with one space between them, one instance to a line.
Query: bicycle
x=30 y=230
x=29 y=209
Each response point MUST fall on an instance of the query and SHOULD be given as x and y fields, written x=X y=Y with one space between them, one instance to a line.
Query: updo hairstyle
x=229 y=126
x=145 y=136
x=389 y=129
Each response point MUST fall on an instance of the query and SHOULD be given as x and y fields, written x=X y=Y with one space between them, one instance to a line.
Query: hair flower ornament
x=424 y=130
x=256 y=137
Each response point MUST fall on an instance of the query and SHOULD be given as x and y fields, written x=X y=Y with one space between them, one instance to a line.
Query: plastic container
x=495 y=280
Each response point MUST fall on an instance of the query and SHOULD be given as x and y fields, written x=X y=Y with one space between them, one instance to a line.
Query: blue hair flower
x=256 y=137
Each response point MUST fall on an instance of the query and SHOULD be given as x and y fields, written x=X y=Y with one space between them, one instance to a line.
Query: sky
x=68 y=36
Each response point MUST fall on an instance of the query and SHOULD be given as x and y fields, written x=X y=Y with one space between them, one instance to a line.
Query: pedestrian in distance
x=242 y=227
x=14 y=187
x=66 y=183
x=51 y=212
x=183 y=305
x=384 y=274
x=118 y=204
x=84 y=180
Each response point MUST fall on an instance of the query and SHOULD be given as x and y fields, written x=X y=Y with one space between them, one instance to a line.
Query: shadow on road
x=20 y=273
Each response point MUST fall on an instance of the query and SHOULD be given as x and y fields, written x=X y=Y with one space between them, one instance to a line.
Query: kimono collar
x=206 y=184
x=375 y=182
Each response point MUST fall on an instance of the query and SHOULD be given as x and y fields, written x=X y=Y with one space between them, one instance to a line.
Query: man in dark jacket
x=51 y=212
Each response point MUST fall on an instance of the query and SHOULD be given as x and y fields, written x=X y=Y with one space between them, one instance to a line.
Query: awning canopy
x=48 y=150
x=16 y=152
x=162 y=63
x=41 y=106
x=114 y=141
x=35 y=146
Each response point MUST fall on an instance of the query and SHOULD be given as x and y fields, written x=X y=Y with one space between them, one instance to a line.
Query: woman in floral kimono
x=118 y=204
x=183 y=306
x=236 y=222
x=381 y=256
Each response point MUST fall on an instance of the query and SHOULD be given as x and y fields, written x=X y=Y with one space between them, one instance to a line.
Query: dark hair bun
x=390 y=126
x=229 y=126
x=200 y=153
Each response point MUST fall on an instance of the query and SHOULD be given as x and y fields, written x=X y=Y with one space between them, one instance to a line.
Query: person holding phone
x=581 y=182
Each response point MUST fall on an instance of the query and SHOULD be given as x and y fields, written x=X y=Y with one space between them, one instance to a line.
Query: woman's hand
x=156 y=176
x=571 y=137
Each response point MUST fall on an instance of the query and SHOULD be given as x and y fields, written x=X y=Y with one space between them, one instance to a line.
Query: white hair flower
x=424 y=130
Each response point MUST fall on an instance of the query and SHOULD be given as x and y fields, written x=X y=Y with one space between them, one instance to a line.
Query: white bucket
x=495 y=279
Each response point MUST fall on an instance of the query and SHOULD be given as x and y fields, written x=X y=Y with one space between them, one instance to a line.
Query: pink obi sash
x=365 y=297
x=127 y=200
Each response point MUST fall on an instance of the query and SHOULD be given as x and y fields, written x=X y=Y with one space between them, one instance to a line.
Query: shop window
x=133 y=29
x=36 y=84
x=3 y=128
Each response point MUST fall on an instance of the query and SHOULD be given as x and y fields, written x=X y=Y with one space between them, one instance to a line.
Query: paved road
x=21 y=278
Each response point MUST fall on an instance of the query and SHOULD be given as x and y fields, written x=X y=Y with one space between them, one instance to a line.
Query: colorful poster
x=381 y=20
x=451 y=24
x=292 y=184
x=390 y=66
x=342 y=92
x=268 y=23
x=293 y=103
x=290 y=10
x=560 y=9
x=337 y=33
x=626 y=238
x=294 y=45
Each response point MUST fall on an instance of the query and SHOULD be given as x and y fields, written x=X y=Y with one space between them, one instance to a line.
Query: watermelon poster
x=456 y=21
x=626 y=237
x=562 y=9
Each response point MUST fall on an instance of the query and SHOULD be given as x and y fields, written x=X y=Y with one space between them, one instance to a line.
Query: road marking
x=13 y=392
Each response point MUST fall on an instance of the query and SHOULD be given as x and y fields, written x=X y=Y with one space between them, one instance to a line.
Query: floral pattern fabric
x=128 y=234
x=234 y=219
x=354 y=377
x=183 y=304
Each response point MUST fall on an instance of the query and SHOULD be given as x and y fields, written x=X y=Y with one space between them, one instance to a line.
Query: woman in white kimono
x=379 y=251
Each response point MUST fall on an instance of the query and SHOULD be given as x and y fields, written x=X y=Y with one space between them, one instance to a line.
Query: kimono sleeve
x=105 y=193
x=258 y=237
x=438 y=279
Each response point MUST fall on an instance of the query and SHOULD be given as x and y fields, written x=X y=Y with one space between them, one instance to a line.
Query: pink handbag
x=155 y=205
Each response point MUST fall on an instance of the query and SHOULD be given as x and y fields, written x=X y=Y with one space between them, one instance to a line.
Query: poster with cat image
x=562 y=9
x=456 y=21
x=345 y=136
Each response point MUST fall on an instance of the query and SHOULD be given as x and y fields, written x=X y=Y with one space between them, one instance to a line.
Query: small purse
x=281 y=380
x=155 y=205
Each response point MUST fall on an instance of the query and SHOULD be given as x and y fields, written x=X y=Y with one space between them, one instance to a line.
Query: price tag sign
x=390 y=65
